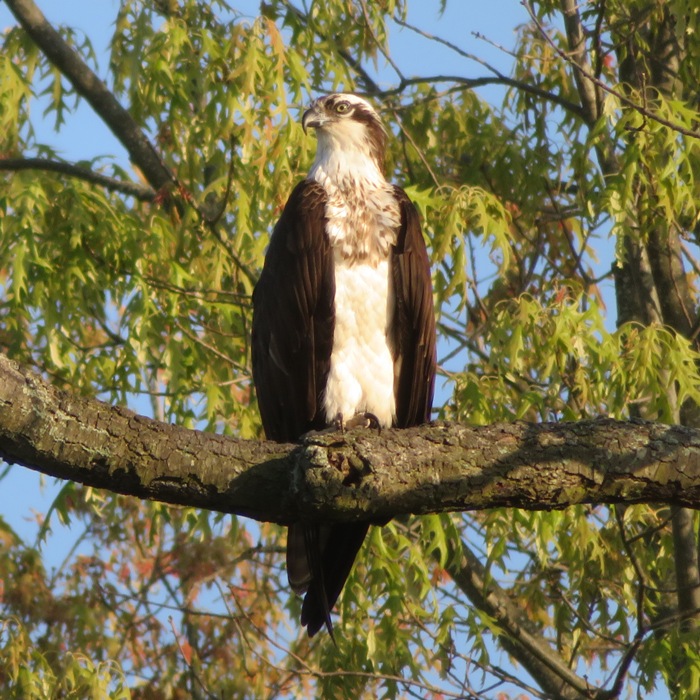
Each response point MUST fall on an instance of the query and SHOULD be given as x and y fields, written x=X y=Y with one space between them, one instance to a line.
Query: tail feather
x=335 y=562
x=321 y=567
x=298 y=568
x=317 y=585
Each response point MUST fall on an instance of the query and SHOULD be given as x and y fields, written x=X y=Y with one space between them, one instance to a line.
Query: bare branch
x=497 y=78
x=143 y=193
x=471 y=83
x=87 y=84
x=380 y=46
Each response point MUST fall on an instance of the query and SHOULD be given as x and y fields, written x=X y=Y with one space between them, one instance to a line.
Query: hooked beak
x=313 y=118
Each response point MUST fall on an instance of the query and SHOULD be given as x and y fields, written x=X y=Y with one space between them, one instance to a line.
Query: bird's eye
x=342 y=107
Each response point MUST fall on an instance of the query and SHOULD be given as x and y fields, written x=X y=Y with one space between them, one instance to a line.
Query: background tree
x=135 y=287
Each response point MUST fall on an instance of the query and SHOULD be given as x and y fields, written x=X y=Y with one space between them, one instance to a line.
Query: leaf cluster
x=531 y=207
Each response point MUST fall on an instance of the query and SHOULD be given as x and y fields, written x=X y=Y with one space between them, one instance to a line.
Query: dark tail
x=330 y=552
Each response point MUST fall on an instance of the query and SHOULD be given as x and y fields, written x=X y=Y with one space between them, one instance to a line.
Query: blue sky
x=84 y=137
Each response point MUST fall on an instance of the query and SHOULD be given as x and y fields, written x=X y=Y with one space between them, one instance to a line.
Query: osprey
x=343 y=321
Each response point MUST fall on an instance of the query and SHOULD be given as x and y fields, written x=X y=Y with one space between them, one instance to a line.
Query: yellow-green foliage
x=531 y=209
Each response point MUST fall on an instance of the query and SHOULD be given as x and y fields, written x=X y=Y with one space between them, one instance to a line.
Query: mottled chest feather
x=362 y=223
x=362 y=213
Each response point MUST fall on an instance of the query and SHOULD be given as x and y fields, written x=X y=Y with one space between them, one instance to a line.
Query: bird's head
x=346 y=123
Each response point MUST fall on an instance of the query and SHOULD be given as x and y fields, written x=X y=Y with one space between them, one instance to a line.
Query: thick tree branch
x=87 y=84
x=119 y=120
x=359 y=475
x=591 y=94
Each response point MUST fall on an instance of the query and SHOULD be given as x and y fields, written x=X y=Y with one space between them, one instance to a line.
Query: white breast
x=362 y=370
x=362 y=218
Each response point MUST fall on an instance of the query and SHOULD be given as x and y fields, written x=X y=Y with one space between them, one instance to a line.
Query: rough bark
x=678 y=308
x=358 y=475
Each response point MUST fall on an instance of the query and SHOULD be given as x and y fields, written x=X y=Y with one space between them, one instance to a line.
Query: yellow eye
x=342 y=107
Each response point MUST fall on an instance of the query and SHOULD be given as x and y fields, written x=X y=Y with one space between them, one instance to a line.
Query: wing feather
x=412 y=331
x=293 y=326
x=293 y=318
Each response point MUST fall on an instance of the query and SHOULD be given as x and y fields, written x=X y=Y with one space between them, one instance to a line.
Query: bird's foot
x=365 y=419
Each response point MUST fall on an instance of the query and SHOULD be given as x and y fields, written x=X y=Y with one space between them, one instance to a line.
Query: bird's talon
x=364 y=420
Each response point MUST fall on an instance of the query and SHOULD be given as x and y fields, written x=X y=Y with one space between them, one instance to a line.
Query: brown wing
x=412 y=330
x=294 y=319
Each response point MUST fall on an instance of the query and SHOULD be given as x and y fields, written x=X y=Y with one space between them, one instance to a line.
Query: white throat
x=343 y=159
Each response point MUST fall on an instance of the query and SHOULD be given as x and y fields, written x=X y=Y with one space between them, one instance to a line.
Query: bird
x=343 y=330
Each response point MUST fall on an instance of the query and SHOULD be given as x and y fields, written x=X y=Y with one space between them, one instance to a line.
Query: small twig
x=597 y=31
x=214 y=218
x=641 y=109
x=378 y=43
x=210 y=348
x=188 y=663
x=420 y=153
x=457 y=49
x=307 y=669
